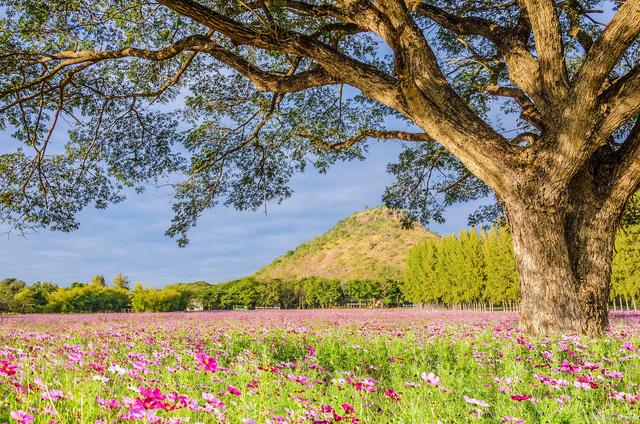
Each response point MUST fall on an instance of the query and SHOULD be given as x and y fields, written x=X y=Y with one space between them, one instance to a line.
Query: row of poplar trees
x=479 y=267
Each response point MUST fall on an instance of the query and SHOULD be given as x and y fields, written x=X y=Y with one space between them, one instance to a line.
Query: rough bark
x=563 y=250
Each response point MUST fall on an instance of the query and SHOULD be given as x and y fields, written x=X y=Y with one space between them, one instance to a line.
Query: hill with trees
x=369 y=244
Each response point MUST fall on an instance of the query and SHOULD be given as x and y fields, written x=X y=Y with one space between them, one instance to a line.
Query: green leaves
x=427 y=179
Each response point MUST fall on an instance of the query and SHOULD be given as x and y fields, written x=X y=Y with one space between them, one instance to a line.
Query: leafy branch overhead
x=87 y=89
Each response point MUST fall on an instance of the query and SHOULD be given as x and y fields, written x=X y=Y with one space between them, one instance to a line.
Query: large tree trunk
x=563 y=252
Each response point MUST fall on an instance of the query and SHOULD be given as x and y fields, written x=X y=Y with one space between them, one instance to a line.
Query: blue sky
x=129 y=237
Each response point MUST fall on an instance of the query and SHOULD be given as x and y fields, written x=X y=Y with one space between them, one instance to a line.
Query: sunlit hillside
x=368 y=244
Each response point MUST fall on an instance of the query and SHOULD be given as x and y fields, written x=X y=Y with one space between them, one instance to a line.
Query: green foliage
x=631 y=216
x=364 y=289
x=474 y=266
x=121 y=281
x=9 y=287
x=34 y=298
x=98 y=281
x=157 y=300
x=500 y=266
x=481 y=267
x=88 y=298
x=625 y=278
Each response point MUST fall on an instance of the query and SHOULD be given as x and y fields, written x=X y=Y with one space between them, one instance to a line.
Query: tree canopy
x=267 y=88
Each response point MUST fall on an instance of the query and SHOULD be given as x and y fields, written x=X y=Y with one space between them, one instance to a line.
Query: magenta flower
x=569 y=367
x=207 y=362
x=109 y=403
x=7 y=368
x=22 y=417
x=392 y=394
x=585 y=382
x=152 y=399
x=348 y=409
x=520 y=398
x=233 y=390
x=629 y=346
x=614 y=374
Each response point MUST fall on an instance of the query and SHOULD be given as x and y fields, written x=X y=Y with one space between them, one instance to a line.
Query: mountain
x=370 y=244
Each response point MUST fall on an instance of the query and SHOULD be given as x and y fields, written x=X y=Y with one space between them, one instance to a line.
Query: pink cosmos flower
x=570 y=367
x=627 y=397
x=367 y=385
x=152 y=399
x=431 y=378
x=614 y=374
x=392 y=394
x=509 y=419
x=629 y=346
x=348 y=409
x=7 y=368
x=53 y=395
x=22 y=417
x=207 y=362
x=585 y=382
x=520 y=398
x=476 y=402
x=233 y=390
x=109 y=403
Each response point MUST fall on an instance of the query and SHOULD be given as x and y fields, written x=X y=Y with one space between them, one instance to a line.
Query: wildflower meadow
x=320 y=366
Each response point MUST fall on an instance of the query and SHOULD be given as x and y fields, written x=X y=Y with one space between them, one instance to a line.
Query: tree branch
x=380 y=134
x=529 y=111
x=88 y=58
x=621 y=102
x=370 y=80
x=626 y=174
x=265 y=81
x=606 y=51
x=548 y=40
x=574 y=10
x=523 y=67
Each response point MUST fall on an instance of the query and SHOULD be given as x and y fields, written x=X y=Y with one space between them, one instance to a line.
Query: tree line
x=310 y=292
x=479 y=266
x=97 y=296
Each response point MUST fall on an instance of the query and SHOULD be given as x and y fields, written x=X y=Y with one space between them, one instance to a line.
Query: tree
x=500 y=266
x=121 y=281
x=363 y=290
x=34 y=298
x=625 y=279
x=9 y=288
x=421 y=284
x=98 y=281
x=562 y=181
x=270 y=293
x=470 y=265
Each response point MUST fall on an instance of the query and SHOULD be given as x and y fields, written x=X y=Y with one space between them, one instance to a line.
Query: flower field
x=324 y=366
